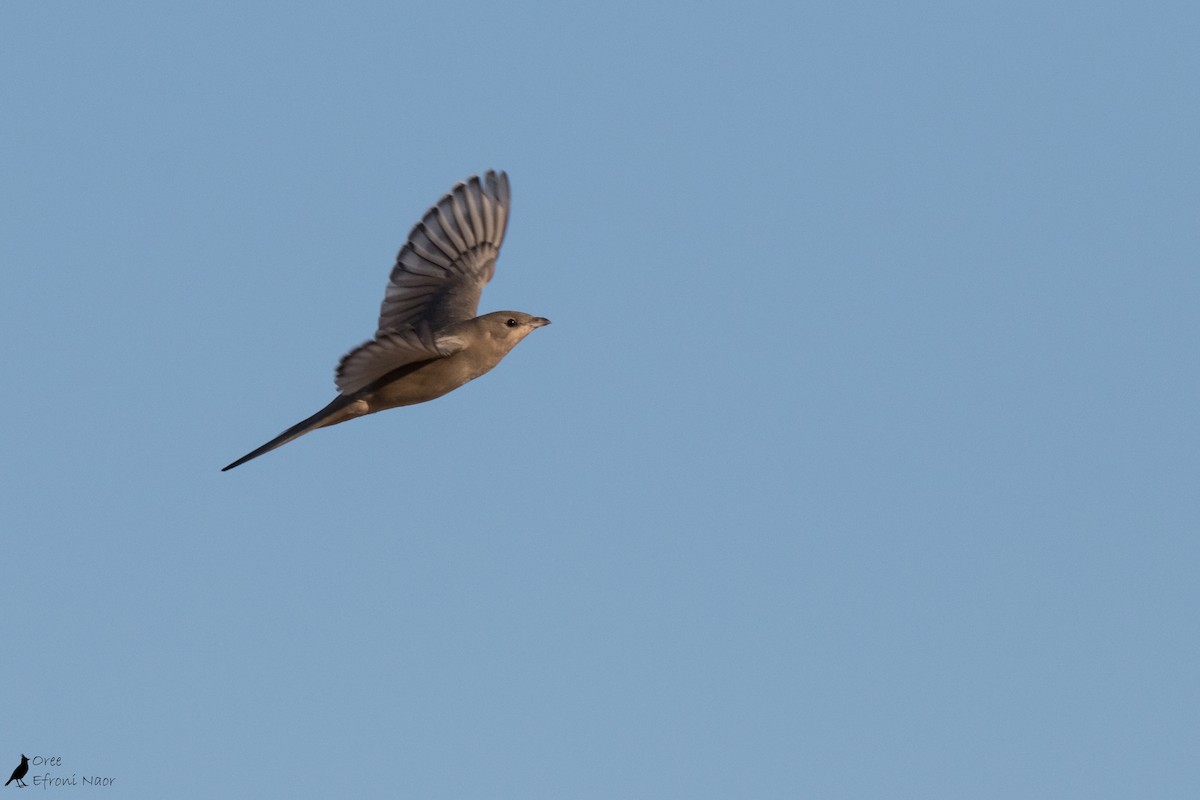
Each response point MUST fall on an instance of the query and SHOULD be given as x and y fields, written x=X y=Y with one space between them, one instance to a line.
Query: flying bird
x=429 y=341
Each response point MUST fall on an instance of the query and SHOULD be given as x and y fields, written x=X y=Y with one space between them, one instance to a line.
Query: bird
x=19 y=772
x=429 y=340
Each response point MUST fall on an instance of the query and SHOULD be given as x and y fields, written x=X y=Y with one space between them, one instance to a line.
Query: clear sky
x=861 y=459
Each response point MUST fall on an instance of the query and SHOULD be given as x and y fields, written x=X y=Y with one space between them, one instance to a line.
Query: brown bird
x=429 y=340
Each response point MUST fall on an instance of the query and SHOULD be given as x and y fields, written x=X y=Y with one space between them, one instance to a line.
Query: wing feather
x=387 y=352
x=449 y=257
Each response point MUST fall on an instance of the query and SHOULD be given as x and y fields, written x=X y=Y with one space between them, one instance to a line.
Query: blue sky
x=860 y=460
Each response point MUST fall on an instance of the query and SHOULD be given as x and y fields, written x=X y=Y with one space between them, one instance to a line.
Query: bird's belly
x=424 y=384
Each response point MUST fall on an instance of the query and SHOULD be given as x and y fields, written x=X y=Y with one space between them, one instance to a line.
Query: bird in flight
x=429 y=340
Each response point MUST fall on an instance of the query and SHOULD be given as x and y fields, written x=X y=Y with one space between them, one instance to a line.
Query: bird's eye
x=510 y=322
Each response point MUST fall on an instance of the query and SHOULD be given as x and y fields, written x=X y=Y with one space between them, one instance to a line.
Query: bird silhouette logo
x=19 y=772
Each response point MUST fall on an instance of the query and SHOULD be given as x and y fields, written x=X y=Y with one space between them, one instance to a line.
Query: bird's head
x=511 y=327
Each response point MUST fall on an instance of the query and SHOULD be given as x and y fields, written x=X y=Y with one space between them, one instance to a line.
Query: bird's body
x=429 y=340
x=491 y=342
x=20 y=772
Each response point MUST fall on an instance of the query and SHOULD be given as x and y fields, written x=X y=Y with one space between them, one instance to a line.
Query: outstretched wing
x=449 y=256
x=388 y=352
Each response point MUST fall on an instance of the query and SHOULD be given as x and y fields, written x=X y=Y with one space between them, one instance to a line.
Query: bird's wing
x=390 y=351
x=449 y=256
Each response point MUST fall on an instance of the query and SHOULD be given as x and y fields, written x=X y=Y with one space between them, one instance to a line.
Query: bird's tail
x=317 y=420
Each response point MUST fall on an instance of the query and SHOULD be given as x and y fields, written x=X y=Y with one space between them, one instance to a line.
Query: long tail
x=317 y=420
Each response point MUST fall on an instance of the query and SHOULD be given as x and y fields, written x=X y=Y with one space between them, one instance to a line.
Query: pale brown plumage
x=429 y=340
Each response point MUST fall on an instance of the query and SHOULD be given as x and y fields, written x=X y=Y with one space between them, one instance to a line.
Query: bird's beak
x=540 y=322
